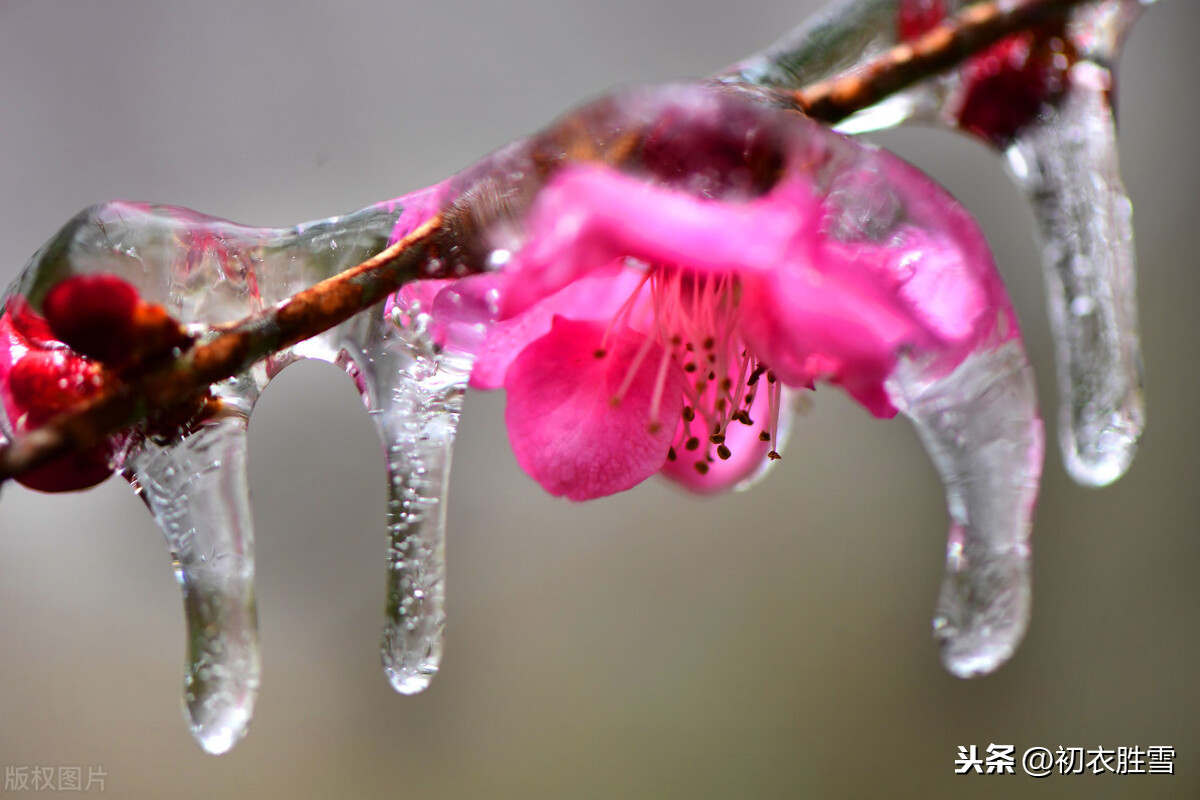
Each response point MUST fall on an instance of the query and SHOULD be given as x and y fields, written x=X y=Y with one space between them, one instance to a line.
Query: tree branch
x=975 y=28
x=336 y=299
x=302 y=316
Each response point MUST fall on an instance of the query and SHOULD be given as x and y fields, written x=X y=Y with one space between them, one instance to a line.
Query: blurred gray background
x=650 y=645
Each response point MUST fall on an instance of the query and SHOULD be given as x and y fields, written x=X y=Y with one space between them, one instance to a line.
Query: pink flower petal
x=565 y=430
x=584 y=219
x=595 y=297
x=834 y=324
x=957 y=284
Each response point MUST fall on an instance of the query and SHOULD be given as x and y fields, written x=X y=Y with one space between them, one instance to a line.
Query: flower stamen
x=694 y=318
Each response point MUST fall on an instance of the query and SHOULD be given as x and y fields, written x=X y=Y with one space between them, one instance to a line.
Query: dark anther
x=601 y=353
x=724 y=453
x=671 y=454
x=717 y=438
x=689 y=413
x=764 y=436
x=692 y=443
x=702 y=467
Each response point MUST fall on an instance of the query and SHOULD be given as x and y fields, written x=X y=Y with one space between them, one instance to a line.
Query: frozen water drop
x=196 y=489
x=981 y=429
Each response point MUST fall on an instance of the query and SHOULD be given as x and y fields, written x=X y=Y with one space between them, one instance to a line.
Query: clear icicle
x=981 y=429
x=1068 y=167
x=414 y=394
x=1066 y=162
x=206 y=272
x=196 y=489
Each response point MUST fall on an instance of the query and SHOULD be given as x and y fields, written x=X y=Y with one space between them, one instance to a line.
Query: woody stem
x=333 y=301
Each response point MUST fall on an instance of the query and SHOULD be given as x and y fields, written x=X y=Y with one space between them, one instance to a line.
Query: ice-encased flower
x=694 y=244
x=644 y=329
x=1045 y=98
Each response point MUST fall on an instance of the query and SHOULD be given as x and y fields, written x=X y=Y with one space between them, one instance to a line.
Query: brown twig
x=973 y=29
x=302 y=316
x=336 y=299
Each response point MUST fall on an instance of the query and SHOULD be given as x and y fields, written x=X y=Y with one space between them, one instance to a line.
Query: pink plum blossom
x=643 y=329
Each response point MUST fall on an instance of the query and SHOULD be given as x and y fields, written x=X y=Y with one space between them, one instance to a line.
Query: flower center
x=695 y=320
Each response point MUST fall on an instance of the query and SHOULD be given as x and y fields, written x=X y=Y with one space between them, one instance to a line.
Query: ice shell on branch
x=700 y=210
x=39 y=378
x=1045 y=97
x=206 y=272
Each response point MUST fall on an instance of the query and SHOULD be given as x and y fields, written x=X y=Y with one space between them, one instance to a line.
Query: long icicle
x=981 y=429
x=196 y=489
x=1067 y=165
x=414 y=396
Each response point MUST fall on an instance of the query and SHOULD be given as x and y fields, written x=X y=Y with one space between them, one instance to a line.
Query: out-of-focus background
x=650 y=645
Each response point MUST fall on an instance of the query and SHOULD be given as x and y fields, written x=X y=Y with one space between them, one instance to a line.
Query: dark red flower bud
x=103 y=317
x=1006 y=86
x=43 y=379
x=73 y=472
x=916 y=17
x=47 y=382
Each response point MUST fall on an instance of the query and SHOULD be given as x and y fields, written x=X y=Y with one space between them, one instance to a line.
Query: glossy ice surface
x=1049 y=101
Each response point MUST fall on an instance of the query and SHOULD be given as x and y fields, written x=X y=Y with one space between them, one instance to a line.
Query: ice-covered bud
x=103 y=317
x=40 y=377
x=1006 y=87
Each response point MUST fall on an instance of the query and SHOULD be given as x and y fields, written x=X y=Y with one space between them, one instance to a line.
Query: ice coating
x=207 y=271
x=726 y=148
x=969 y=390
x=413 y=391
x=196 y=490
x=980 y=426
x=417 y=421
x=1064 y=159
x=1067 y=165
